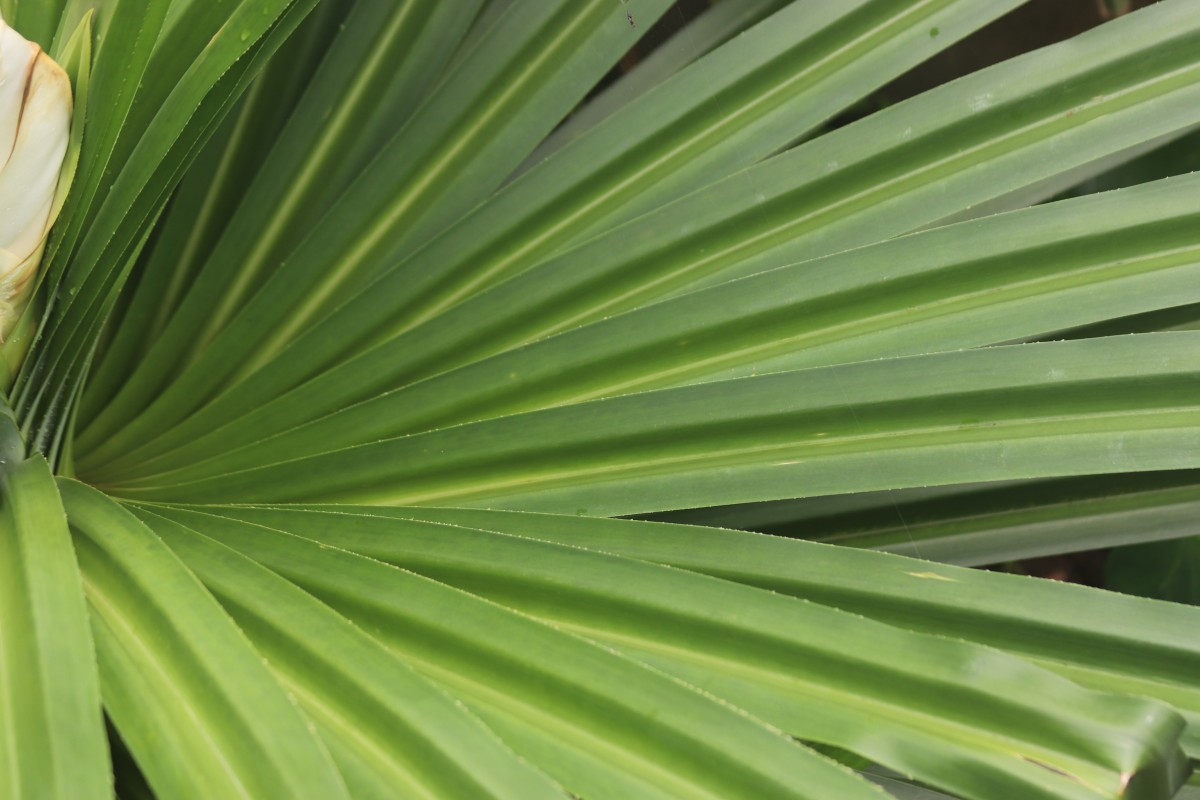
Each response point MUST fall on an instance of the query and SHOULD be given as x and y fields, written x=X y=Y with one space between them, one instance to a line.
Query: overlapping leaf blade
x=819 y=675
x=909 y=166
x=657 y=731
x=770 y=89
x=309 y=381
x=1098 y=638
x=36 y=19
x=194 y=702
x=978 y=283
x=52 y=741
x=984 y=523
x=539 y=60
x=385 y=725
x=112 y=204
x=1092 y=406
x=205 y=204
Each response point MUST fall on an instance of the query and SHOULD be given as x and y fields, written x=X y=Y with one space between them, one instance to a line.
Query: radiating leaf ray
x=194 y=702
x=901 y=169
x=365 y=702
x=1095 y=406
x=51 y=378
x=52 y=742
x=1101 y=639
x=540 y=60
x=410 y=267
x=204 y=204
x=981 y=524
x=1019 y=273
x=818 y=674
x=714 y=26
x=681 y=741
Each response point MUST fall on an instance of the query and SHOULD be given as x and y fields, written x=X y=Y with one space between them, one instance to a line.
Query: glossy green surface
x=365 y=321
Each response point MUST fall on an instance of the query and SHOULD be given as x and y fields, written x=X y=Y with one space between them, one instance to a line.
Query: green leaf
x=539 y=61
x=417 y=252
x=35 y=19
x=207 y=200
x=658 y=731
x=911 y=702
x=770 y=88
x=375 y=713
x=381 y=61
x=740 y=104
x=980 y=524
x=194 y=702
x=977 y=283
x=52 y=742
x=983 y=137
x=100 y=253
x=902 y=790
x=1095 y=406
x=1100 y=639
x=713 y=27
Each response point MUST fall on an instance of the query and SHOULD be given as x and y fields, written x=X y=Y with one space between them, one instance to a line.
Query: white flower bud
x=35 y=121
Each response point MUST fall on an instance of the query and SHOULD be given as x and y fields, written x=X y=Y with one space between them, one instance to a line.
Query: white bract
x=35 y=121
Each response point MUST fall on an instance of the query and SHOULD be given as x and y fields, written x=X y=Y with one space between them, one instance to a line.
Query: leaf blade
x=191 y=698
x=371 y=705
x=976 y=415
x=52 y=741
x=590 y=699
x=844 y=681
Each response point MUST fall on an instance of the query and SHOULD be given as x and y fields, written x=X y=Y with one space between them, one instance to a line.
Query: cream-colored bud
x=35 y=122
